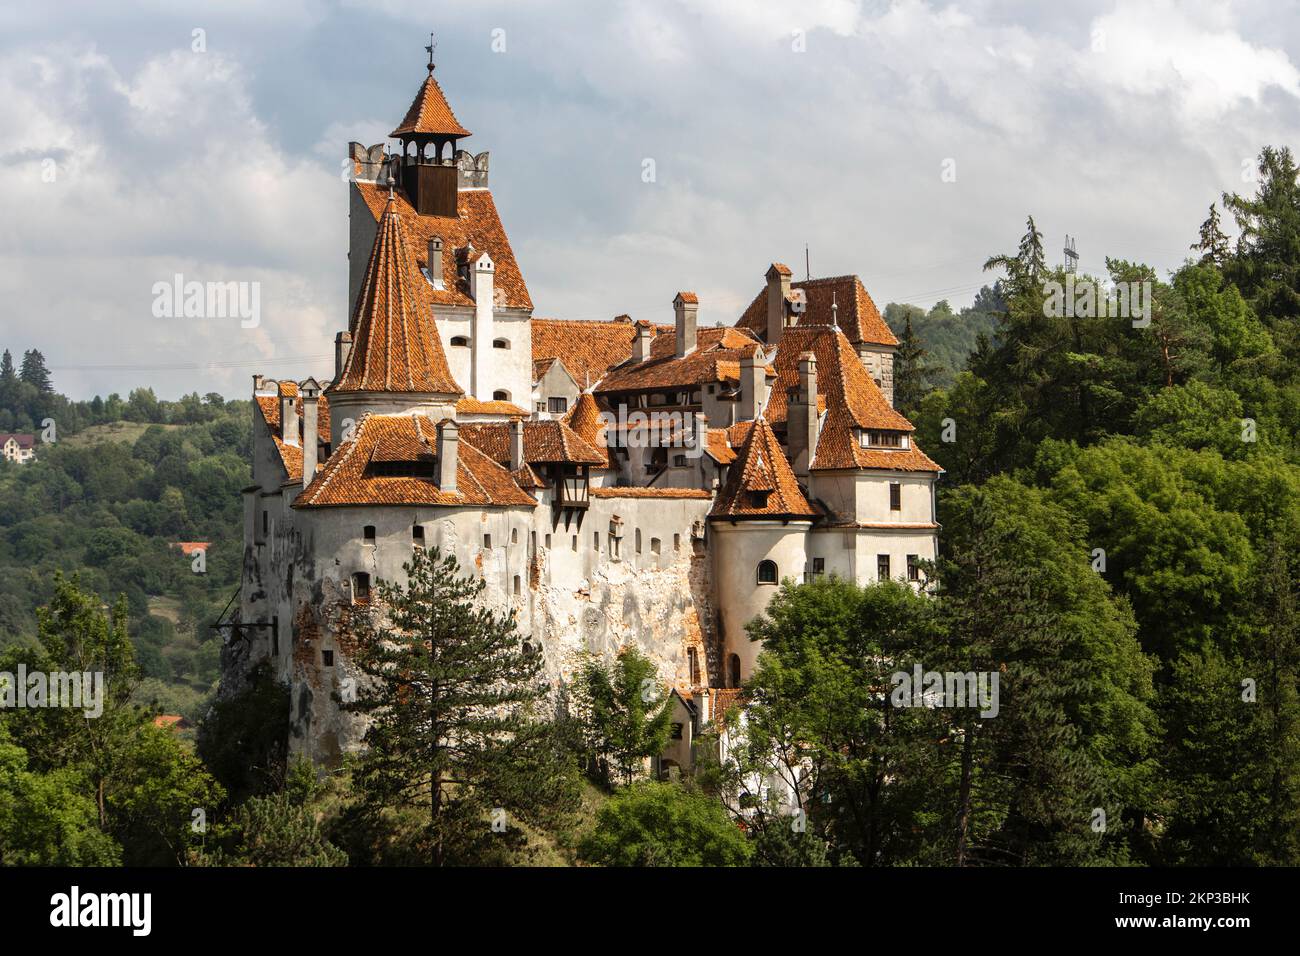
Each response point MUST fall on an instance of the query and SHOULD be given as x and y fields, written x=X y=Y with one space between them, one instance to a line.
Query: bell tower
x=426 y=170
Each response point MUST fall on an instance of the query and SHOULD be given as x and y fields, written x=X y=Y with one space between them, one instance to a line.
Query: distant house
x=19 y=448
x=171 y=722
x=189 y=547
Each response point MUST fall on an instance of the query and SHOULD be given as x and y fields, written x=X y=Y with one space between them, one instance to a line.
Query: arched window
x=500 y=395
x=459 y=342
x=501 y=343
x=733 y=671
x=767 y=573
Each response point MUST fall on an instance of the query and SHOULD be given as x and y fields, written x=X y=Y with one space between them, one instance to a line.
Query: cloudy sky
x=129 y=156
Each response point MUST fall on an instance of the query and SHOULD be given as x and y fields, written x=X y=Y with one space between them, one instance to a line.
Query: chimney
x=753 y=383
x=802 y=419
x=310 y=391
x=516 y=444
x=257 y=383
x=685 y=307
x=342 y=348
x=778 y=290
x=435 y=262
x=288 y=415
x=448 y=444
x=641 y=342
x=481 y=273
x=702 y=707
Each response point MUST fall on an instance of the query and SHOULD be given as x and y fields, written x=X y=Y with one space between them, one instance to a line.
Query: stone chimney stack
x=685 y=307
x=702 y=708
x=641 y=343
x=342 y=348
x=802 y=418
x=435 y=262
x=778 y=290
x=753 y=385
x=448 y=454
x=310 y=391
x=288 y=414
x=516 y=444
x=482 y=271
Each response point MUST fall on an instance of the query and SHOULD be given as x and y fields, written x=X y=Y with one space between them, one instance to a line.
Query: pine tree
x=34 y=372
x=1027 y=266
x=7 y=374
x=1213 y=244
x=454 y=699
x=1266 y=266
x=912 y=374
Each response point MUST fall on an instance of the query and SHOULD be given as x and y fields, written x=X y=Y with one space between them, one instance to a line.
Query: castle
x=614 y=483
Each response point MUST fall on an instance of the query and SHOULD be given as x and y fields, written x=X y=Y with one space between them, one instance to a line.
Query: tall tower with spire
x=427 y=170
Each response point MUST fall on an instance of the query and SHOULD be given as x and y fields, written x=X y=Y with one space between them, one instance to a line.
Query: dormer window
x=883 y=439
x=758 y=499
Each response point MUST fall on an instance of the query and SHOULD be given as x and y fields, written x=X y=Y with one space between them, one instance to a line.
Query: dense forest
x=1120 y=546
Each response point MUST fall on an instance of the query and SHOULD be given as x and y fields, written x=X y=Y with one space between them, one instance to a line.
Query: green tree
x=663 y=824
x=34 y=373
x=625 y=715
x=1212 y=244
x=912 y=373
x=456 y=732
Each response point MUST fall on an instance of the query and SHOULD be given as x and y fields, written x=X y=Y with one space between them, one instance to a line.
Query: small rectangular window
x=275 y=635
x=895 y=497
x=368 y=534
x=882 y=567
x=913 y=568
x=487 y=542
x=557 y=406
x=575 y=542
x=677 y=542
x=677 y=731
x=327 y=658
x=595 y=541
x=417 y=535
x=654 y=545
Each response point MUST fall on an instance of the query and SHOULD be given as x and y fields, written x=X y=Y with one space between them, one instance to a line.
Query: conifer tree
x=456 y=734
x=34 y=372
x=912 y=373
x=1213 y=244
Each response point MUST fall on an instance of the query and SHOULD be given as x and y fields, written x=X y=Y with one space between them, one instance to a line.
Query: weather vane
x=430 y=48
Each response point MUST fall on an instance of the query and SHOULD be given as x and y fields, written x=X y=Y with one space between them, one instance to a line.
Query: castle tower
x=396 y=362
x=760 y=523
x=427 y=170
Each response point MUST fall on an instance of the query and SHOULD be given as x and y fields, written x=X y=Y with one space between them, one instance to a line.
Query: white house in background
x=555 y=458
x=18 y=448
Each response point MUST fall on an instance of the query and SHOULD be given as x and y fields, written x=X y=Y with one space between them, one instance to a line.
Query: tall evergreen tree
x=34 y=372
x=912 y=373
x=7 y=373
x=456 y=732
x=1212 y=244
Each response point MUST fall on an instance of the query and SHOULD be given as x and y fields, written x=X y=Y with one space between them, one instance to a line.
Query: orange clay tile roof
x=429 y=113
x=291 y=455
x=478 y=225
x=852 y=400
x=585 y=420
x=472 y=406
x=857 y=315
x=718 y=448
x=395 y=345
x=724 y=700
x=587 y=349
x=165 y=721
x=716 y=358
x=545 y=442
x=761 y=467
x=189 y=547
x=885 y=525
x=689 y=297
x=650 y=493
x=345 y=479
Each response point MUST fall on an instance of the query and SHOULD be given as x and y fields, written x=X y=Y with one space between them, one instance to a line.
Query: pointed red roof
x=761 y=483
x=429 y=113
x=395 y=346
